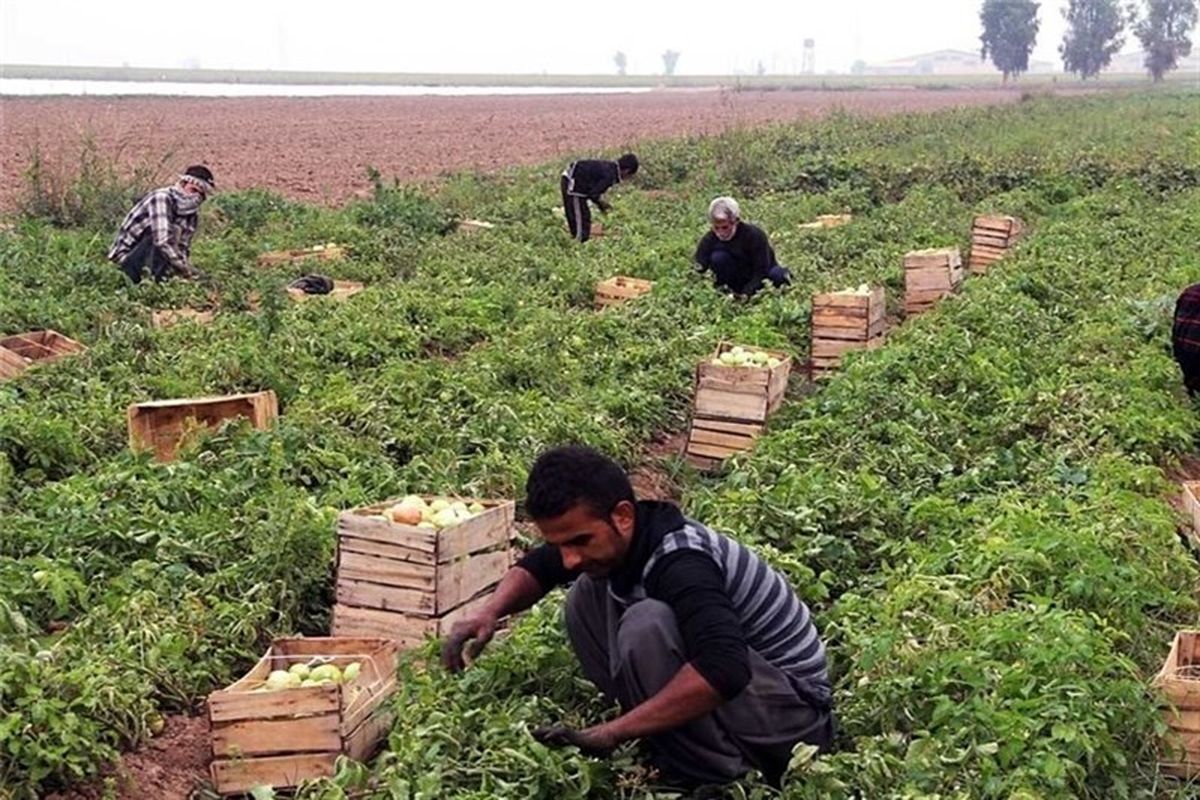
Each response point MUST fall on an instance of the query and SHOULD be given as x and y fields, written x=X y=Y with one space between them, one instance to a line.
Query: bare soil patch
x=318 y=149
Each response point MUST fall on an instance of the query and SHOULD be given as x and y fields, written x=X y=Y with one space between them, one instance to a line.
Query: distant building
x=1136 y=62
x=944 y=62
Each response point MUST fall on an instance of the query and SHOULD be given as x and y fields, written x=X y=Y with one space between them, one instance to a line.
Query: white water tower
x=808 y=61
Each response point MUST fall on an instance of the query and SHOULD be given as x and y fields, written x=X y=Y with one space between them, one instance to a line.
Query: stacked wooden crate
x=324 y=252
x=853 y=319
x=828 y=221
x=23 y=350
x=732 y=404
x=930 y=275
x=404 y=582
x=991 y=239
x=281 y=737
x=164 y=425
x=1179 y=682
x=620 y=288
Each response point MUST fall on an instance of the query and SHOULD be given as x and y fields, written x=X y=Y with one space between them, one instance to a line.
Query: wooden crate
x=618 y=289
x=991 y=239
x=711 y=441
x=23 y=350
x=473 y=226
x=930 y=275
x=842 y=322
x=163 y=425
x=281 y=738
x=341 y=290
x=742 y=394
x=406 y=582
x=1179 y=682
x=275 y=258
x=828 y=221
x=170 y=317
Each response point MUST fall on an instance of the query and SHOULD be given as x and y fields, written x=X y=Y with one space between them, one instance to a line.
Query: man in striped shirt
x=157 y=232
x=1185 y=337
x=708 y=651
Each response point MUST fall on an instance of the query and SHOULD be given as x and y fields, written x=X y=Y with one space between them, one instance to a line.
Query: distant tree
x=621 y=62
x=761 y=69
x=1093 y=36
x=670 y=59
x=858 y=67
x=1165 y=34
x=1010 y=30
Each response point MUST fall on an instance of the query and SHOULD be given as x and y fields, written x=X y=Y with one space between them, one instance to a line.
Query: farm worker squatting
x=157 y=231
x=588 y=180
x=1185 y=337
x=738 y=253
x=708 y=651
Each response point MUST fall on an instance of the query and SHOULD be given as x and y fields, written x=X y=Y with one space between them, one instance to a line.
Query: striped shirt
x=726 y=600
x=777 y=624
x=157 y=214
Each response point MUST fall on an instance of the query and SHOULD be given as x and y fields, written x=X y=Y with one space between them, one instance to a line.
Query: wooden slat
x=365 y=704
x=941 y=257
x=492 y=527
x=727 y=426
x=374 y=547
x=238 y=776
x=716 y=438
x=993 y=222
x=406 y=630
x=227 y=706
x=732 y=405
x=363 y=742
x=258 y=737
x=363 y=524
x=385 y=598
x=712 y=451
x=467 y=577
x=389 y=572
x=446 y=621
x=12 y=364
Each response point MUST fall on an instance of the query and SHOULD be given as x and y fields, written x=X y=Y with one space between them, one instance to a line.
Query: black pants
x=1189 y=364
x=144 y=254
x=579 y=216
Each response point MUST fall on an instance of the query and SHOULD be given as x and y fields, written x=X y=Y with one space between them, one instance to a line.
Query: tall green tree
x=1166 y=34
x=621 y=61
x=1093 y=37
x=1010 y=29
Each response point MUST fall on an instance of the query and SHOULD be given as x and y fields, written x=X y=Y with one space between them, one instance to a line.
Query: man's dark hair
x=202 y=172
x=564 y=477
x=628 y=163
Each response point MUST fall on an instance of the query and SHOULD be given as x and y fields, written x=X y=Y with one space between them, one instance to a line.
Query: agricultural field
x=978 y=512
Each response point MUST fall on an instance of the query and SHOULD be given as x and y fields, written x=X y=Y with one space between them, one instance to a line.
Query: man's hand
x=478 y=630
x=603 y=206
x=593 y=741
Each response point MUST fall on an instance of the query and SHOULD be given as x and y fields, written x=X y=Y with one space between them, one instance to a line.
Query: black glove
x=589 y=743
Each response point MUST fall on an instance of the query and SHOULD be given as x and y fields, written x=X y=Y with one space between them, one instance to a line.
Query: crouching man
x=157 y=232
x=739 y=254
x=708 y=651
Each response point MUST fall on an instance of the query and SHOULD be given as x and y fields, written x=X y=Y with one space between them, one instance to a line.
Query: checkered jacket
x=172 y=232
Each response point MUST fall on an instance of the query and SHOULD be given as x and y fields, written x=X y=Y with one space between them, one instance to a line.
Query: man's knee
x=648 y=629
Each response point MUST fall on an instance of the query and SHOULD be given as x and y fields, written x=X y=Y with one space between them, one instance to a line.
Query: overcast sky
x=526 y=36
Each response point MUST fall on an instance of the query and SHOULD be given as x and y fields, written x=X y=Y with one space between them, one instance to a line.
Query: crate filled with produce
x=845 y=321
x=737 y=388
x=930 y=275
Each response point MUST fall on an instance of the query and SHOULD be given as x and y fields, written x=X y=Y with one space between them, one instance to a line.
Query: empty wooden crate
x=854 y=319
x=170 y=317
x=21 y=351
x=991 y=239
x=828 y=221
x=405 y=582
x=341 y=290
x=618 y=289
x=930 y=275
x=281 y=737
x=1179 y=682
x=324 y=252
x=163 y=425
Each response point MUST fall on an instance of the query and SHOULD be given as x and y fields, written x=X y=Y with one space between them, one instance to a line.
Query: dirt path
x=317 y=149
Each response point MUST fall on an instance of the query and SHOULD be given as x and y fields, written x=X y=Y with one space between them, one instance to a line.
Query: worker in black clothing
x=738 y=253
x=588 y=180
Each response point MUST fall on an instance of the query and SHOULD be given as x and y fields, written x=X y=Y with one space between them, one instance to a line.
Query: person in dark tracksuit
x=1185 y=337
x=739 y=254
x=708 y=651
x=157 y=232
x=586 y=181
